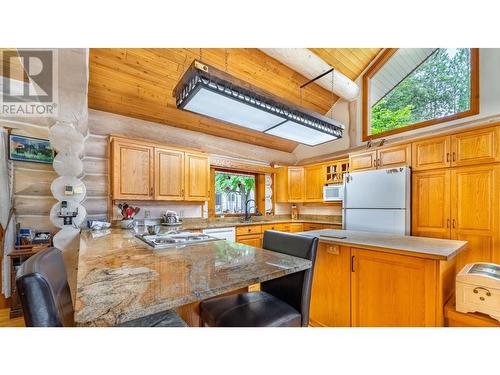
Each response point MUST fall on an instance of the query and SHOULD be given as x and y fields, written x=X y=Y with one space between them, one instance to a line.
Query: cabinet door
x=169 y=175
x=132 y=171
x=394 y=156
x=281 y=188
x=431 y=215
x=197 y=172
x=431 y=154
x=475 y=212
x=295 y=184
x=313 y=183
x=330 y=296
x=254 y=240
x=392 y=290
x=362 y=161
x=475 y=147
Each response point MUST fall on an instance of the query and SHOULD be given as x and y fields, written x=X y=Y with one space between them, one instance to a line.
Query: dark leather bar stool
x=43 y=288
x=282 y=302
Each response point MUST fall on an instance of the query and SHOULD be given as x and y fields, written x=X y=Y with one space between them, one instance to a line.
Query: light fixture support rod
x=316 y=78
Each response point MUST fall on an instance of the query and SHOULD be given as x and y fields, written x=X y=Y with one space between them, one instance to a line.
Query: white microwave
x=332 y=193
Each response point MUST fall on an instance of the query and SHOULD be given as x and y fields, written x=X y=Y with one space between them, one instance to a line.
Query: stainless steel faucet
x=247 y=216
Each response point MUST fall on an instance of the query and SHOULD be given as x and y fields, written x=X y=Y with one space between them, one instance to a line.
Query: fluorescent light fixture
x=228 y=109
x=213 y=93
x=298 y=133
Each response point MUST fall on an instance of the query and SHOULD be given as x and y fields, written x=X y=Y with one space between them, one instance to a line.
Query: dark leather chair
x=45 y=296
x=281 y=302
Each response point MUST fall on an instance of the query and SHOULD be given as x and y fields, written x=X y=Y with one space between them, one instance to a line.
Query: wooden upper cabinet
x=383 y=158
x=394 y=156
x=132 y=176
x=197 y=177
x=475 y=147
x=392 y=290
x=330 y=296
x=169 y=174
x=431 y=154
x=362 y=161
x=295 y=184
x=475 y=212
x=431 y=216
x=313 y=183
x=281 y=184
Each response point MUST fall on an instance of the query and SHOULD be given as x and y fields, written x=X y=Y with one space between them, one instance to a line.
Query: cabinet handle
x=453 y=158
x=453 y=223
x=352 y=263
x=447 y=223
x=477 y=289
x=447 y=156
x=151 y=191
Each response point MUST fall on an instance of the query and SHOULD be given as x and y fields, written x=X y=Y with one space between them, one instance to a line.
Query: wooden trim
x=236 y=166
x=380 y=62
x=150 y=143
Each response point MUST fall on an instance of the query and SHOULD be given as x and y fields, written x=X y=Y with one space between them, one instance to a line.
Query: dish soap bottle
x=295 y=212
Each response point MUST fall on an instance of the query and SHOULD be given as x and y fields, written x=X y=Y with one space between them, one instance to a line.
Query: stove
x=174 y=238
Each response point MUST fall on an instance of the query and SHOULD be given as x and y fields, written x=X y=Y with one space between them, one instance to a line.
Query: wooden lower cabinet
x=254 y=240
x=475 y=212
x=372 y=288
x=296 y=227
x=330 y=298
x=312 y=226
x=431 y=216
x=389 y=290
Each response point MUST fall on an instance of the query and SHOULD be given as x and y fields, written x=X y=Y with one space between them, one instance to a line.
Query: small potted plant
x=128 y=213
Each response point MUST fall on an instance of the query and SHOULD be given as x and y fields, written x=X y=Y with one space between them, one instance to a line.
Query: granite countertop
x=431 y=248
x=120 y=278
x=229 y=224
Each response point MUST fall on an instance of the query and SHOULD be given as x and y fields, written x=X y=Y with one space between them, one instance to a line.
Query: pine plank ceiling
x=139 y=82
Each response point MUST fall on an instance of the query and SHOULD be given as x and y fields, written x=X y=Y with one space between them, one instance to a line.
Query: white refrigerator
x=378 y=201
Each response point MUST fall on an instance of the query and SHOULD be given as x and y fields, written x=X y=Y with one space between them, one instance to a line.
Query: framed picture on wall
x=30 y=149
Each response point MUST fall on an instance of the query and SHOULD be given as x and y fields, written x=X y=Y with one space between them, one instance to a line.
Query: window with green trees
x=420 y=86
x=232 y=191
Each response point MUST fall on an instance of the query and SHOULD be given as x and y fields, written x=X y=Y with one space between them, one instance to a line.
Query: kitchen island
x=121 y=278
x=367 y=279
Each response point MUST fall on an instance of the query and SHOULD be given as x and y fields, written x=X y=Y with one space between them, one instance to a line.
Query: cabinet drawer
x=279 y=226
x=249 y=229
x=296 y=227
x=312 y=226
x=286 y=227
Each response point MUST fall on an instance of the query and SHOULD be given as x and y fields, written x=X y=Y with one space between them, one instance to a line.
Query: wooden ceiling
x=139 y=82
x=10 y=59
x=349 y=61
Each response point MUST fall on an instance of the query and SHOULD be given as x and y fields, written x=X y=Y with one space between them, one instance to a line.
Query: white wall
x=489 y=99
x=340 y=113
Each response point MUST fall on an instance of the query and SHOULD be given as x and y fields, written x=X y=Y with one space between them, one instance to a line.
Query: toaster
x=478 y=289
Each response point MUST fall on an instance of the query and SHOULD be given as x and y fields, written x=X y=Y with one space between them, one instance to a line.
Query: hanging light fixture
x=211 y=92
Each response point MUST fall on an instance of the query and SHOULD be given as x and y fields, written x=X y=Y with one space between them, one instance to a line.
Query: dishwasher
x=228 y=234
